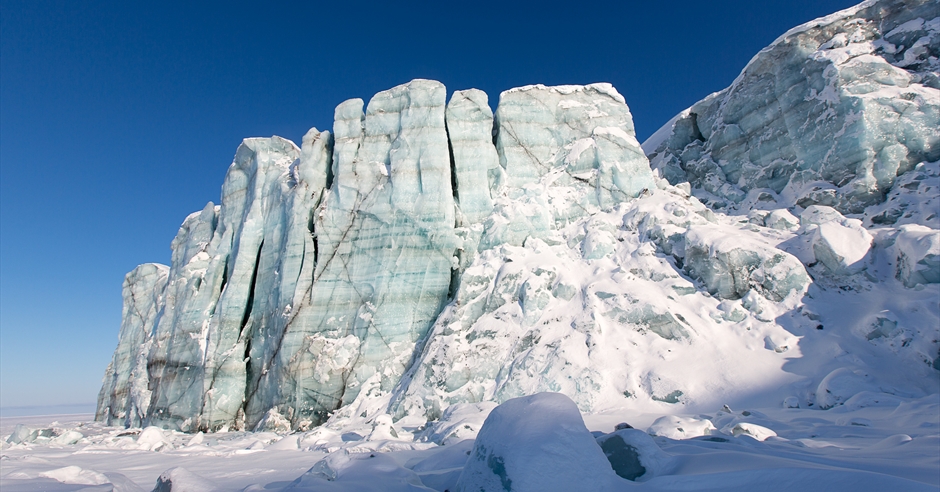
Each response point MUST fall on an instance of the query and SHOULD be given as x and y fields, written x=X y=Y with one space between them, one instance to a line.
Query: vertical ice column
x=577 y=136
x=200 y=353
x=385 y=248
x=469 y=128
x=286 y=288
x=124 y=396
x=177 y=354
x=257 y=187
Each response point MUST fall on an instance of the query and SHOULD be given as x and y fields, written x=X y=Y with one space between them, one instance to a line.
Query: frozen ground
x=874 y=441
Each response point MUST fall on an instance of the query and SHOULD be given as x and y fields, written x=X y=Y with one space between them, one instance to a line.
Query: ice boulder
x=731 y=265
x=633 y=454
x=781 y=219
x=842 y=245
x=67 y=438
x=840 y=385
x=365 y=472
x=917 y=253
x=536 y=443
x=76 y=475
x=179 y=479
x=459 y=422
x=22 y=434
x=755 y=431
x=681 y=427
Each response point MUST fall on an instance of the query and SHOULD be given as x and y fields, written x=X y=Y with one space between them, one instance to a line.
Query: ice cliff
x=831 y=113
x=429 y=254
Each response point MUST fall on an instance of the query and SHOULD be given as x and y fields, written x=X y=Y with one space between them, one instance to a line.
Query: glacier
x=427 y=258
x=831 y=113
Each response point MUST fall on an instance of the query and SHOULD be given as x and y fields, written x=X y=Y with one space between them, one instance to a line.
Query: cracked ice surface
x=385 y=244
x=831 y=113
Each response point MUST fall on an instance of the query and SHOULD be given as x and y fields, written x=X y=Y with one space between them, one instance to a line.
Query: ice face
x=124 y=397
x=565 y=152
x=325 y=265
x=198 y=361
x=831 y=113
x=384 y=257
x=470 y=132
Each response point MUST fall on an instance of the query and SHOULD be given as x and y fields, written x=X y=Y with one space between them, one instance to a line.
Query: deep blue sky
x=118 y=119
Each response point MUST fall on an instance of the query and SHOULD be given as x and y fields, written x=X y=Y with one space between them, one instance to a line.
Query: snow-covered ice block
x=76 y=474
x=365 y=472
x=781 y=219
x=675 y=427
x=758 y=432
x=840 y=385
x=917 y=250
x=459 y=422
x=731 y=265
x=633 y=455
x=536 y=443
x=179 y=479
x=842 y=245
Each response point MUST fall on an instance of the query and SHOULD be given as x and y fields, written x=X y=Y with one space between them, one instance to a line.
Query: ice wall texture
x=325 y=265
x=430 y=253
x=831 y=113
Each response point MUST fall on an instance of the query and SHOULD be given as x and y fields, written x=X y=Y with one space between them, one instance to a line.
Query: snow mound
x=536 y=443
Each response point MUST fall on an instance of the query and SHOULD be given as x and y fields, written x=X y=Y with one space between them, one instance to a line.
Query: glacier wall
x=428 y=254
x=326 y=265
x=831 y=113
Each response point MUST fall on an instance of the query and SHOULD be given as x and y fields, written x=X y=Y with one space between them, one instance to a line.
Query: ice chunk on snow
x=842 y=246
x=781 y=219
x=152 y=439
x=21 y=434
x=839 y=386
x=536 y=443
x=365 y=472
x=76 y=474
x=459 y=422
x=681 y=427
x=633 y=454
x=68 y=437
x=748 y=429
x=179 y=479
x=731 y=265
x=917 y=250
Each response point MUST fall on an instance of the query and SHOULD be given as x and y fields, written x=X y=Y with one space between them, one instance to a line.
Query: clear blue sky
x=118 y=119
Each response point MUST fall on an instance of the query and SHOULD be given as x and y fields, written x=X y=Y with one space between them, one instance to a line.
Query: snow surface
x=874 y=441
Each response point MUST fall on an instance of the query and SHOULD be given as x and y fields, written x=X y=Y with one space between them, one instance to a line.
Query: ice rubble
x=871 y=442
